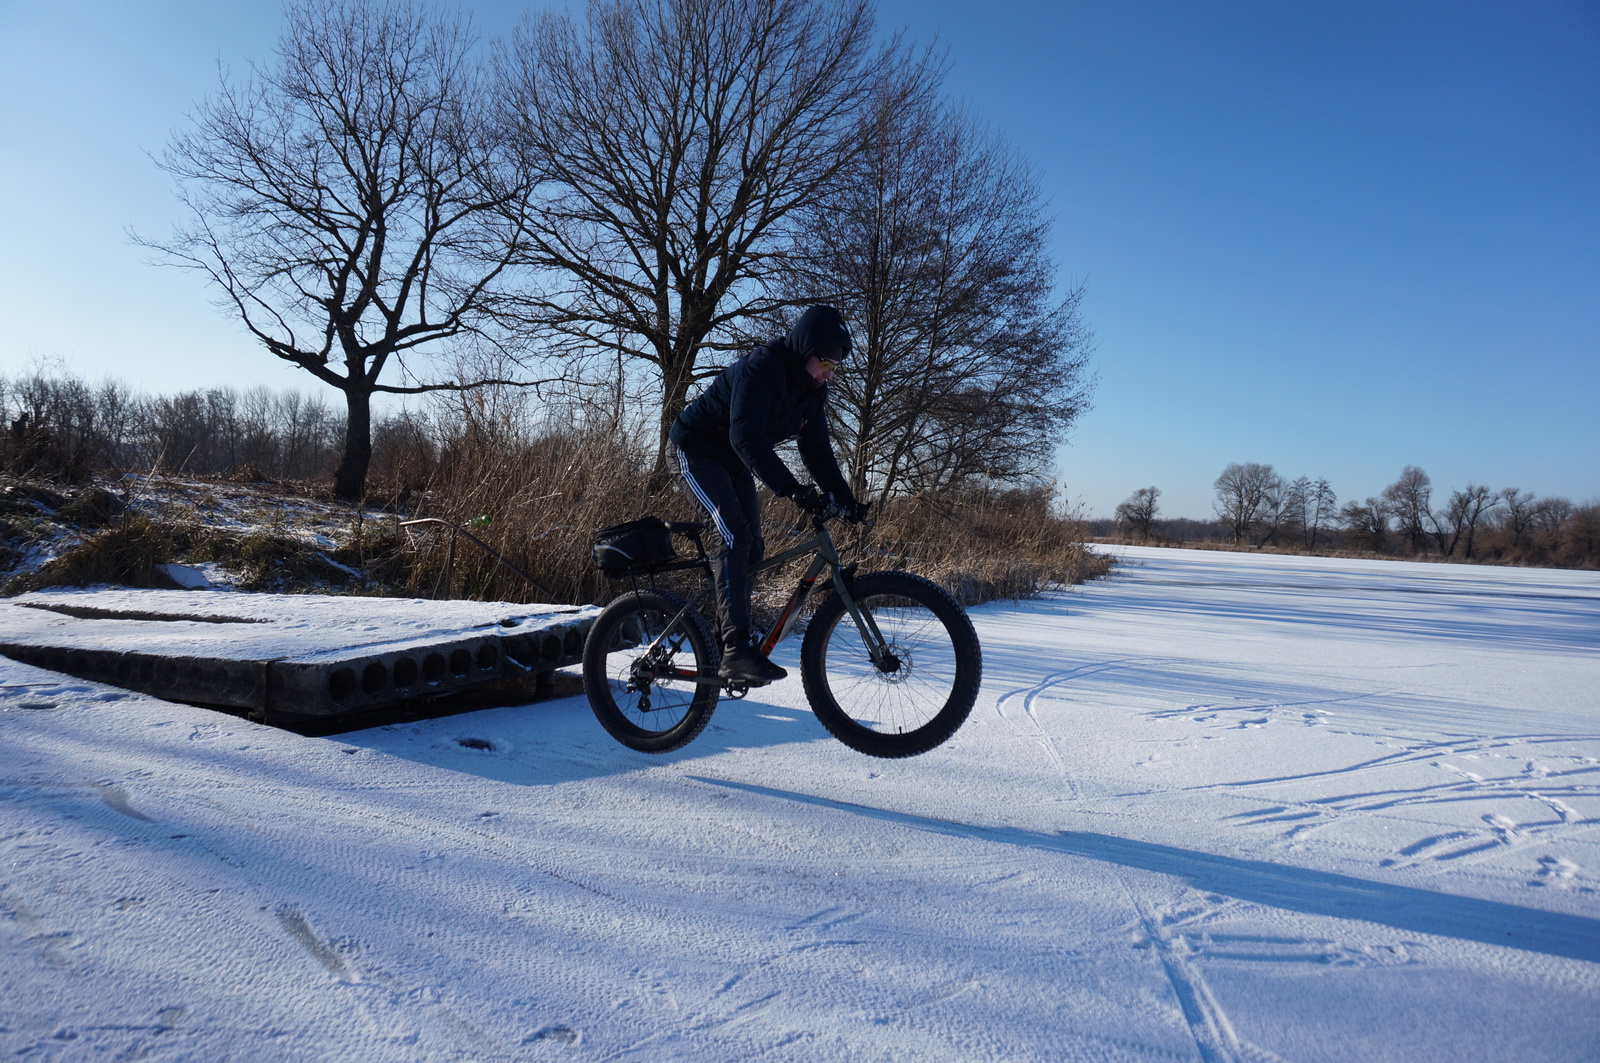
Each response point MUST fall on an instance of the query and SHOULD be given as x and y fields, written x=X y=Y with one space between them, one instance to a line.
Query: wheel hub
x=896 y=666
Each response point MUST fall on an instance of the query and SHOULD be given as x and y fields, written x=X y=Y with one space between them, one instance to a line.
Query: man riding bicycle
x=778 y=391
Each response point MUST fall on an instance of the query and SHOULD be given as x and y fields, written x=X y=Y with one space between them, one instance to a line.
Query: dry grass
x=126 y=554
x=536 y=497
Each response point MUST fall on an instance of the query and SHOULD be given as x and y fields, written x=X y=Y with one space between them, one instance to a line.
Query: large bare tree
x=674 y=139
x=1307 y=506
x=1461 y=518
x=1138 y=511
x=1367 y=523
x=1248 y=496
x=353 y=208
x=1409 y=500
x=969 y=361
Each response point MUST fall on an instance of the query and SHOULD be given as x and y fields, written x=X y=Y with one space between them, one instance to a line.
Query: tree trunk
x=675 y=381
x=350 y=482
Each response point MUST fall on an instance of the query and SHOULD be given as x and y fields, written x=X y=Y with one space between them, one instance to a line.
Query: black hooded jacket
x=767 y=397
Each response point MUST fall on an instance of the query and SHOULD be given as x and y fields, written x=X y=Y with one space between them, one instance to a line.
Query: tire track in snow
x=1422 y=752
x=1481 y=769
x=1030 y=696
x=1213 y=1032
x=394 y=1009
x=1257 y=705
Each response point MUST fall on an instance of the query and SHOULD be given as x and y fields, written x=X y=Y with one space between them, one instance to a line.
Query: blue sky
x=1336 y=238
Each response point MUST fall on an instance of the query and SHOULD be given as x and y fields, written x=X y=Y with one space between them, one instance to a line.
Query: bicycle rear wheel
x=919 y=698
x=640 y=670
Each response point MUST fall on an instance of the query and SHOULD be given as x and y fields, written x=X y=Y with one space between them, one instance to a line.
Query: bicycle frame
x=825 y=556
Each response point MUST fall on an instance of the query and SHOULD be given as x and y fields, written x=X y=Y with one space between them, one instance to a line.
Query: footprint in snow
x=1556 y=871
x=564 y=1035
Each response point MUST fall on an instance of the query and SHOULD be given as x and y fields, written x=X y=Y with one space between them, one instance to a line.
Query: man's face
x=822 y=364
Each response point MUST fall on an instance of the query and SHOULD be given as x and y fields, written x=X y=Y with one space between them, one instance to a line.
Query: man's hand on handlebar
x=855 y=512
x=817 y=504
x=808 y=498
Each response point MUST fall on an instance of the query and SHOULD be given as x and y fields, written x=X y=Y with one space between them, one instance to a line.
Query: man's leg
x=728 y=497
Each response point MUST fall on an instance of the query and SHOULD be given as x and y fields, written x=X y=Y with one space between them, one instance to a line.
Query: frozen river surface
x=1219 y=807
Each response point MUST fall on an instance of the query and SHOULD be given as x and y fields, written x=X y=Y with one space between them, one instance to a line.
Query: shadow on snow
x=1274 y=885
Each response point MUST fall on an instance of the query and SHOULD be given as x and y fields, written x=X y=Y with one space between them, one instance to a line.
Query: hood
x=818 y=327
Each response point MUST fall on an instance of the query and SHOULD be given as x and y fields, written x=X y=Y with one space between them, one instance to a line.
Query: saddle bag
x=639 y=546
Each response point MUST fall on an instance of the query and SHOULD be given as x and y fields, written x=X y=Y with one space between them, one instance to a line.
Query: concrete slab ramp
x=283 y=657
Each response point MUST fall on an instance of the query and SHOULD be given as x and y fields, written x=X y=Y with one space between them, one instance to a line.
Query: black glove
x=853 y=511
x=808 y=498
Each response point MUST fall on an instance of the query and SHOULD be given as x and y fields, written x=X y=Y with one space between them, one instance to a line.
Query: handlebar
x=832 y=511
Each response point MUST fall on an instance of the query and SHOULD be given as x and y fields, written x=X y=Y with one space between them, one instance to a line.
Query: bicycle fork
x=877 y=648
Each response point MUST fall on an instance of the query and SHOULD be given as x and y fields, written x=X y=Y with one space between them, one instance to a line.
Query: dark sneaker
x=747 y=666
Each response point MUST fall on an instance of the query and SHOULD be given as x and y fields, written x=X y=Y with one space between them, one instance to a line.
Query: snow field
x=1220 y=807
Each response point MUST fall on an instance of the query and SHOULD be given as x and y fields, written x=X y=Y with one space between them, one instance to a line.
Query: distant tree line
x=1257 y=507
x=59 y=427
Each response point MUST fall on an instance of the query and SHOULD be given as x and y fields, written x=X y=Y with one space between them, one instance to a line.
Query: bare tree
x=1246 y=496
x=1580 y=536
x=1409 y=499
x=1321 y=510
x=1307 y=505
x=1463 y=515
x=1367 y=523
x=1549 y=514
x=1294 y=509
x=1138 y=512
x=674 y=140
x=968 y=362
x=1518 y=519
x=352 y=207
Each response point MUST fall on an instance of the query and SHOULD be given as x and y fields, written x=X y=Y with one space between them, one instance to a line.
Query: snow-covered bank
x=1218 y=807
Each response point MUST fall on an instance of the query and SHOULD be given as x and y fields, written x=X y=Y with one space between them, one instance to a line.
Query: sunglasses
x=828 y=364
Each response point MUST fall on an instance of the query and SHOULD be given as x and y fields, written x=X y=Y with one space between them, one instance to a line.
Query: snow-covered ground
x=1219 y=807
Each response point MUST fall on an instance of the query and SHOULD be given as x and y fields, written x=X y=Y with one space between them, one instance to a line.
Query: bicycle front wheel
x=640 y=671
x=919 y=696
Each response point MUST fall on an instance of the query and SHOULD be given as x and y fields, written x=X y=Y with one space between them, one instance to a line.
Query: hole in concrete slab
x=433 y=667
x=521 y=649
x=460 y=662
x=405 y=673
x=552 y=648
x=342 y=684
x=488 y=656
x=374 y=678
x=573 y=643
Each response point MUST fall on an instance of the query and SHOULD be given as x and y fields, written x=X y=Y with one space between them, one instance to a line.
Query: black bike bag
x=635 y=547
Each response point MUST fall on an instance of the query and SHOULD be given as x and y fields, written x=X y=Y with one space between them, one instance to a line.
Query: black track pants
x=727 y=494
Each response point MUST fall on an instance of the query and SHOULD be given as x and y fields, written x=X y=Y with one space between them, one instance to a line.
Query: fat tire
x=606 y=659
x=879 y=720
